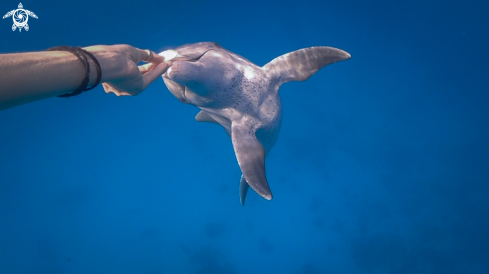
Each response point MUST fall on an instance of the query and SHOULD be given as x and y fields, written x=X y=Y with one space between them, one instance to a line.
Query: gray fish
x=242 y=97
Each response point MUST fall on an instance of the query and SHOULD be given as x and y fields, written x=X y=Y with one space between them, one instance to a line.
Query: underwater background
x=381 y=166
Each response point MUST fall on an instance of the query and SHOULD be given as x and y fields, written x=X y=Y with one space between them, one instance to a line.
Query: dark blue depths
x=381 y=166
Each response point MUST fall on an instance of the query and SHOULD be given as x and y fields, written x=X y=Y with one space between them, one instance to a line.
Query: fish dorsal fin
x=243 y=190
x=301 y=64
x=251 y=159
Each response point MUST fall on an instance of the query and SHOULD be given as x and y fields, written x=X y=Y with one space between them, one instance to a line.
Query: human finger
x=110 y=89
x=150 y=56
x=146 y=67
x=154 y=73
x=121 y=91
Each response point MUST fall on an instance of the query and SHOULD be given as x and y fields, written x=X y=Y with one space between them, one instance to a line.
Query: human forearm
x=27 y=77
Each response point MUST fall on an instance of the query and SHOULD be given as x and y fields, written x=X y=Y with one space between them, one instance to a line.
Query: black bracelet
x=81 y=54
x=97 y=66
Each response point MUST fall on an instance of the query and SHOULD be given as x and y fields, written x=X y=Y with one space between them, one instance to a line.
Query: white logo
x=20 y=17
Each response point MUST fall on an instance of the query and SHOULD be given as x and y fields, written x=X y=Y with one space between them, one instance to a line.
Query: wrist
x=93 y=72
x=108 y=63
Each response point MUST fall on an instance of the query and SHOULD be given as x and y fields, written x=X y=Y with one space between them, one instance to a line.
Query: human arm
x=32 y=76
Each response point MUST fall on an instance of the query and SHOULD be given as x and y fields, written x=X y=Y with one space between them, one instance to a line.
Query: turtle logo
x=20 y=17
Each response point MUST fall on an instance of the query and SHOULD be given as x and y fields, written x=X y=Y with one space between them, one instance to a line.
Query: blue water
x=382 y=164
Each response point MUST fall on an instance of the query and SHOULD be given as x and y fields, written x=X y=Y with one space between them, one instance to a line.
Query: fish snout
x=176 y=89
x=176 y=70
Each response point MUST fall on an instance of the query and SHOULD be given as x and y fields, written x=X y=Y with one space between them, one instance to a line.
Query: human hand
x=120 y=73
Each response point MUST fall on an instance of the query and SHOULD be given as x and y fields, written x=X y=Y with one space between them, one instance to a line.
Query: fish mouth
x=189 y=57
x=192 y=58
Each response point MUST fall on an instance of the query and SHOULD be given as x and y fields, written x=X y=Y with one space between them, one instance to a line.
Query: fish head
x=199 y=68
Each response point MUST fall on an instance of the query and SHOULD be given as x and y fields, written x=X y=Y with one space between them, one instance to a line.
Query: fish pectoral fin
x=243 y=190
x=301 y=64
x=202 y=116
x=251 y=159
